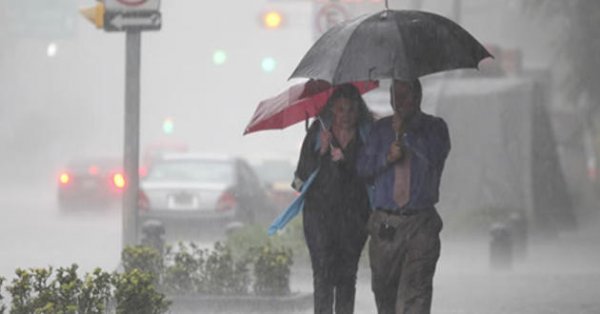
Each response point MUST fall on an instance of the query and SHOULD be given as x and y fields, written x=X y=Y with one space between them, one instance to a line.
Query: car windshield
x=209 y=171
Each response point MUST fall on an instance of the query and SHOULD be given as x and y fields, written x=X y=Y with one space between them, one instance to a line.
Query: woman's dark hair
x=348 y=91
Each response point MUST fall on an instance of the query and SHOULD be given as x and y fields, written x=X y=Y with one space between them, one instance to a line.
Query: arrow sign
x=120 y=21
x=134 y=21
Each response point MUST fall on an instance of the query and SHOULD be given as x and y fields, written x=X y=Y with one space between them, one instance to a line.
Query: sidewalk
x=557 y=276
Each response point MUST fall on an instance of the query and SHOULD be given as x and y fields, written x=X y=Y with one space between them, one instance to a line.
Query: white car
x=199 y=192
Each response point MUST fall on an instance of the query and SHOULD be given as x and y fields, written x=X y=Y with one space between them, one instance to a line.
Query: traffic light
x=168 y=126
x=219 y=57
x=95 y=14
x=272 y=19
x=268 y=64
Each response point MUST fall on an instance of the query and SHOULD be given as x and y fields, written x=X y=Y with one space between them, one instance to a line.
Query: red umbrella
x=295 y=104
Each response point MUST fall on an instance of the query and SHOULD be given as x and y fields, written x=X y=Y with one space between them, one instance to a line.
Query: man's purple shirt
x=428 y=141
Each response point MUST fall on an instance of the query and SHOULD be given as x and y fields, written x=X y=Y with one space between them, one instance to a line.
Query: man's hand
x=399 y=124
x=395 y=152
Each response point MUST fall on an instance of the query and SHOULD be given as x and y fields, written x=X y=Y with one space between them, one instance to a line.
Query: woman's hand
x=337 y=154
x=325 y=137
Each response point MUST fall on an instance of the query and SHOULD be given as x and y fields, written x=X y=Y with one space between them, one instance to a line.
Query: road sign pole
x=132 y=137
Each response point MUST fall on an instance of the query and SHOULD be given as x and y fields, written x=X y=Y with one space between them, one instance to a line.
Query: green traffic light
x=219 y=57
x=268 y=64
x=168 y=126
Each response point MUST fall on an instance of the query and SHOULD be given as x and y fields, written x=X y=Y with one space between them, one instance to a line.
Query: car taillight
x=143 y=171
x=143 y=202
x=64 y=178
x=118 y=180
x=93 y=170
x=227 y=201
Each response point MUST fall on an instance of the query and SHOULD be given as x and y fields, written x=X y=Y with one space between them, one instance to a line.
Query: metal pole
x=132 y=137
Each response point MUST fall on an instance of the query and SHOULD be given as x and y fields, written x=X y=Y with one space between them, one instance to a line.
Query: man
x=403 y=158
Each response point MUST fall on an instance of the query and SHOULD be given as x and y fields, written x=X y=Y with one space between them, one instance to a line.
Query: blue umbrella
x=295 y=207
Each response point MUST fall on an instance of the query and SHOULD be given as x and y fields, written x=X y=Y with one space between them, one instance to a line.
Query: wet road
x=558 y=276
x=34 y=233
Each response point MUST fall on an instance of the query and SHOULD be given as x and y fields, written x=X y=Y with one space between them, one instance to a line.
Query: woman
x=336 y=208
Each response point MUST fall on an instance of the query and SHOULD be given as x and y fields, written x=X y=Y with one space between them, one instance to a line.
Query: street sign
x=133 y=21
x=132 y=5
x=95 y=14
x=131 y=17
x=328 y=15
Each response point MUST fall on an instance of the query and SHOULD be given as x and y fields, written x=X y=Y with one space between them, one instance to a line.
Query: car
x=90 y=181
x=277 y=175
x=196 y=193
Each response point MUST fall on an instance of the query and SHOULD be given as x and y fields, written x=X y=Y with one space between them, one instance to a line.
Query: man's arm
x=371 y=157
x=434 y=146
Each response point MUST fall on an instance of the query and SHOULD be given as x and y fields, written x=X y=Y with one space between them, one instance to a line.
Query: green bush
x=223 y=274
x=272 y=270
x=146 y=259
x=291 y=237
x=184 y=273
x=96 y=291
x=2 y=306
x=135 y=293
x=188 y=269
x=195 y=270
x=41 y=290
x=45 y=291
x=30 y=291
x=219 y=271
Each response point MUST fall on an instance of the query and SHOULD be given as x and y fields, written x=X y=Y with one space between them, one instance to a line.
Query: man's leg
x=423 y=251
x=385 y=257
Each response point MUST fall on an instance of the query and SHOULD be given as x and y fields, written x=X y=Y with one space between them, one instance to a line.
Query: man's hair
x=416 y=89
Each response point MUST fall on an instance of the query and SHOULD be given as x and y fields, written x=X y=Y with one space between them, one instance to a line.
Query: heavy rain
x=518 y=195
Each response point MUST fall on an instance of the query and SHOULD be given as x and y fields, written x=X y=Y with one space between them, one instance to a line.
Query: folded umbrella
x=295 y=104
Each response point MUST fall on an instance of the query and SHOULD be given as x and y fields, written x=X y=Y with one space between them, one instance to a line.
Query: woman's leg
x=321 y=249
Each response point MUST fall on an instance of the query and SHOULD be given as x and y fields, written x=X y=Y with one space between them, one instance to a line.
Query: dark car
x=90 y=182
x=197 y=193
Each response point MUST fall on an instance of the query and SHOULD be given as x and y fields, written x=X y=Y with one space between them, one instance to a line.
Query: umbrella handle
x=306 y=122
x=325 y=128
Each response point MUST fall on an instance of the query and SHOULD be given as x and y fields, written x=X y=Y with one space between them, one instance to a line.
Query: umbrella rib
x=404 y=49
x=337 y=67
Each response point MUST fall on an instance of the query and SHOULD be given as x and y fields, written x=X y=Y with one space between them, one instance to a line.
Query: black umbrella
x=402 y=45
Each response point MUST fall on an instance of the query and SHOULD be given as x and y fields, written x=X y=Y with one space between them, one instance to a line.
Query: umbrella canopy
x=295 y=104
x=396 y=44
